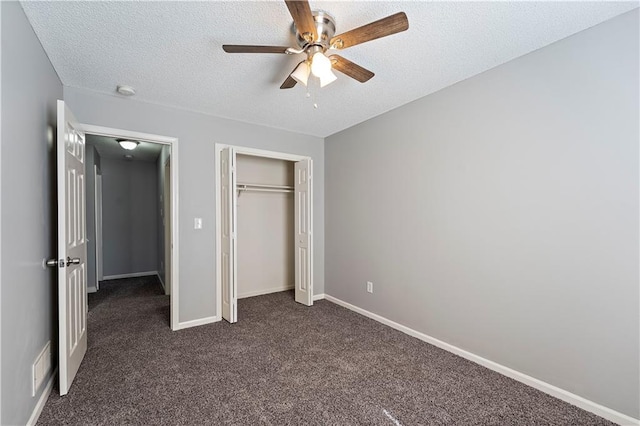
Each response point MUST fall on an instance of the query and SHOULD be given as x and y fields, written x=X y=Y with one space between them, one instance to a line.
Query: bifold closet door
x=302 y=231
x=228 y=201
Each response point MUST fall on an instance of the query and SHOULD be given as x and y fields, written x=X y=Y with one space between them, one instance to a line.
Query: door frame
x=97 y=210
x=167 y=225
x=255 y=152
x=173 y=145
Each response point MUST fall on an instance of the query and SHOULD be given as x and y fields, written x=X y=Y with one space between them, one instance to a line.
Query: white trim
x=51 y=283
x=263 y=153
x=216 y=166
x=131 y=275
x=96 y=224
x=317 y=297
x=195 y=323
x=265 y=291
x=545 y=387
x=37 y=410
x=244 y=151
x=92 y=290
x=173 y=144
x=111 y=132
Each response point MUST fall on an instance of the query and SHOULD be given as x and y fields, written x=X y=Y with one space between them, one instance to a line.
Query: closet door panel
x=302 y=232
x=228 y=202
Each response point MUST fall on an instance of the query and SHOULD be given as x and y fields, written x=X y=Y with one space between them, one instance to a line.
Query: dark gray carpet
x=281 y=364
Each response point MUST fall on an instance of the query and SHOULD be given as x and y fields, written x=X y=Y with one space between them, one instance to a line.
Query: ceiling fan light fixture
x=320 y=65
x=327 y=78
x=301 y=73
x=127 y=144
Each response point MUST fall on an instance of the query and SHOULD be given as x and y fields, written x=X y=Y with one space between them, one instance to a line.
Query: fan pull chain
x=312 y=94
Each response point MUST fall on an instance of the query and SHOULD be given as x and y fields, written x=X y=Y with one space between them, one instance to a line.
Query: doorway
x=160 y=154
x=126 y=214
x=227 y=189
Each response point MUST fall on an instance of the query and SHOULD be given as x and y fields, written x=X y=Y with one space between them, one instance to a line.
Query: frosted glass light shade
x=128 y=145
x=327 y=78
x=301 y=73
x=320 y=65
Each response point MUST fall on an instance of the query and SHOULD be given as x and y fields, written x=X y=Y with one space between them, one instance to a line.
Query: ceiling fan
x=315 y=36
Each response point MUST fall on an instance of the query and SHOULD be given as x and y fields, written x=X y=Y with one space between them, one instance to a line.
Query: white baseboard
x=317 y=297
x=132 y=275
x=92 y=290
x=37 y=410
x=264 y=291
x=571 y=398
x=195 y=323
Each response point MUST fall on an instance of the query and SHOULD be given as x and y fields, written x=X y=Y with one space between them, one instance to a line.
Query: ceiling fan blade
x=290 y=81
x=351 y=69
x=303 y=18
x=239 y=48
x=377 y=29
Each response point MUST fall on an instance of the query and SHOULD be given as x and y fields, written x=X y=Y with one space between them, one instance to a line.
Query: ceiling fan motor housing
x=325 y=28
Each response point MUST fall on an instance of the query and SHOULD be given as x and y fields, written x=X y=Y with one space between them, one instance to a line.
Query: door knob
x=74 y=261
x=54 y=263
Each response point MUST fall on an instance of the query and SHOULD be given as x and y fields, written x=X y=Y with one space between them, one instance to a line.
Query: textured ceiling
x=108 y=148
x=171 y=52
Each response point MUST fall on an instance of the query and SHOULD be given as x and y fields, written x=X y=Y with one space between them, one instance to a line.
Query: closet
x=264 y=226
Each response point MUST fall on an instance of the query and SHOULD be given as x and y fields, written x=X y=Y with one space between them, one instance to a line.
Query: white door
x=302 y=232
x=228 y=200
x=72 y=248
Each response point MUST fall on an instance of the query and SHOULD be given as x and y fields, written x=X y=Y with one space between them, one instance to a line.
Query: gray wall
x=30 y=88
x=500 y=215
x=129 y=216
x=197 y=135
x=92 y=159
x=162 y=159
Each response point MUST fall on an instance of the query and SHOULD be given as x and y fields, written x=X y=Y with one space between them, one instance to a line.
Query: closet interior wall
x=265 y=214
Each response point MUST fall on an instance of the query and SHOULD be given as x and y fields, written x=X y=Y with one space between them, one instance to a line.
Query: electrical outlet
x=197 y=223
x=369 y=287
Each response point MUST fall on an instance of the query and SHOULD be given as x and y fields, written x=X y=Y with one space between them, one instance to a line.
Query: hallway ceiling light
x=127 y=144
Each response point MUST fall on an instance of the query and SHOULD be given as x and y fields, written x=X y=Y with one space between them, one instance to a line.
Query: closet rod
x=259 y=185
x=264 y=189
